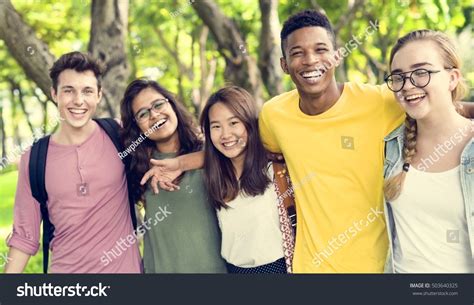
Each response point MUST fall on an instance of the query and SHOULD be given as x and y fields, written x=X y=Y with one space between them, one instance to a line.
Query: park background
x=191 y=47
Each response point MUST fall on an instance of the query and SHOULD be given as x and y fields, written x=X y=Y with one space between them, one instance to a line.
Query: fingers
x=154 y=184
x=275 y=157
x=147 y=176
x=169 y=186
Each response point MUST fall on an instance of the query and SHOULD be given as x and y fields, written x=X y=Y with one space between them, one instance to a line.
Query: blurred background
x=191 y=47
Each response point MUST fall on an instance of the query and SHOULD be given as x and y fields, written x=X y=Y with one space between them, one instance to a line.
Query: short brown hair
x=79 y=62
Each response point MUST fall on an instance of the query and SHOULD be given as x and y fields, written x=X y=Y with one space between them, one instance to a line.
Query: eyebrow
x=414 y=66
x=231 y=118
x=147 y=108
x=71 y=87
x=318 y=44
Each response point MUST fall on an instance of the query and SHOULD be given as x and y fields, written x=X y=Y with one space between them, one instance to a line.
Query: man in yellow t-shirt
x=331 y=136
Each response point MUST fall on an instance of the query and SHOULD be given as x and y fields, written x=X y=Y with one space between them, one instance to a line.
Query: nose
x=153 y=114
x=310 y=58
x=78 y=99
x=225 y=133
x=408 y=85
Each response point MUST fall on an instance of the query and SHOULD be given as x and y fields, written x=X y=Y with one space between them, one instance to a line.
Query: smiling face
x=436 y=96
x=310 y=59
x=77 y=96
x=228 y=133
x=162 y=122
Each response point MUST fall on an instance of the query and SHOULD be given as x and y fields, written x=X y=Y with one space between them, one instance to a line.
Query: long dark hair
x=139 y=160
x=219 y=174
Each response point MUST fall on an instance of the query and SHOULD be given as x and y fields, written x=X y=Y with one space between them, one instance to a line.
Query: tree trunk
x=109 y=26
x=31 y=53
x=208 y=70
x=269 y=57
x=15 y=130
x=241 y=69
x=3 y=135
x=16 y=86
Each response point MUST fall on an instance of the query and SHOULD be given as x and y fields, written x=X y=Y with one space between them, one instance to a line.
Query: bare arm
x=191 y=161
x=16 y=261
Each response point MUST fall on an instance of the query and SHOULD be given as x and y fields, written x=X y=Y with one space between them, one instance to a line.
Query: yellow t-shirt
x=335 y=160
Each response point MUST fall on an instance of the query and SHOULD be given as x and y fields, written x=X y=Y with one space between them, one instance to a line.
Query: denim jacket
x=393 y=165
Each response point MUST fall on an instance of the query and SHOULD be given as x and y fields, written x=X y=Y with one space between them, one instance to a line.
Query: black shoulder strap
x=111 y=128
x=37 y=172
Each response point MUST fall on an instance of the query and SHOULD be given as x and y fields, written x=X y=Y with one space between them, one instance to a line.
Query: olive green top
x=183 y=235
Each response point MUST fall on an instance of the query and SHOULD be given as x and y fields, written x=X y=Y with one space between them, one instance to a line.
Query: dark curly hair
x=188 y=133
x=306 y=18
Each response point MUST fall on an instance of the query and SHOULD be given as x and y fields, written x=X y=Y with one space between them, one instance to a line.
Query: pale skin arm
x=16 y=261
x=164 y=172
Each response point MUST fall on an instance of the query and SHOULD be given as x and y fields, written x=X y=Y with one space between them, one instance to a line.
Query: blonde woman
x=429 y=166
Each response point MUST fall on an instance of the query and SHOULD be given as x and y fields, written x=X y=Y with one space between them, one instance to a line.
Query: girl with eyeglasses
x=181 y=230
x=429 y=166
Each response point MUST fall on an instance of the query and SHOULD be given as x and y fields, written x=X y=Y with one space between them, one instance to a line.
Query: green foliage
x=7 y=196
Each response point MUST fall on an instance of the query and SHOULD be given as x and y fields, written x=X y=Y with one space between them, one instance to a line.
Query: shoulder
x=362 y=89
x=281 y=100
x=397 y=133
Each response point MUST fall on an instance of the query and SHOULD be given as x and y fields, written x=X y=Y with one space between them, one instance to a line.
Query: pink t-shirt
x=87 y=204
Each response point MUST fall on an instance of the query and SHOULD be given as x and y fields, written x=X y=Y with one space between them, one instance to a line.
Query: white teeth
x=160 y=123
x=229 y=144
x=414 y=97
x=78 y=111
x=315 y=73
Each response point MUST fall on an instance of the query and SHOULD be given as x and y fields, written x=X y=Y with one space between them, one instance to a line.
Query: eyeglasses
x=420 y=78
x=157 y=107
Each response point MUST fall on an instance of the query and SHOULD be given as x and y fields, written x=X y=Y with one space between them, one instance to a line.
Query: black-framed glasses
x=420 y=78
x=157 y=107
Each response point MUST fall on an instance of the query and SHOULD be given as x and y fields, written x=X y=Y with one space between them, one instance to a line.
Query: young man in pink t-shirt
x=86 y=185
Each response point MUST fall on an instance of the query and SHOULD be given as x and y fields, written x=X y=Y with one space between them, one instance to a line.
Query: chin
x=78 y=123
x=418 y=115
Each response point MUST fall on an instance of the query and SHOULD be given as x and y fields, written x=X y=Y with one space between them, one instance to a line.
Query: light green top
x=183 y=234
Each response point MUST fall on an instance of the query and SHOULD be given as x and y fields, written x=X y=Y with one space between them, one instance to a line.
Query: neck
x=68 y=135
x=314 y=104
x=441 y=125
x=171 y=145
x=238 y=163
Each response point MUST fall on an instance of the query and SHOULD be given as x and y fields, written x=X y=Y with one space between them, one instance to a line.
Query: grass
x=7 y=197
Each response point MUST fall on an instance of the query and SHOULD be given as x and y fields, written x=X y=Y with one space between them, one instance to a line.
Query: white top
x=430 y=225
x=251 y=235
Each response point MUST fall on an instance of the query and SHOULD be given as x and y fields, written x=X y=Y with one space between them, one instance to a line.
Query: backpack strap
x=37 y=173
x=111 y=128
